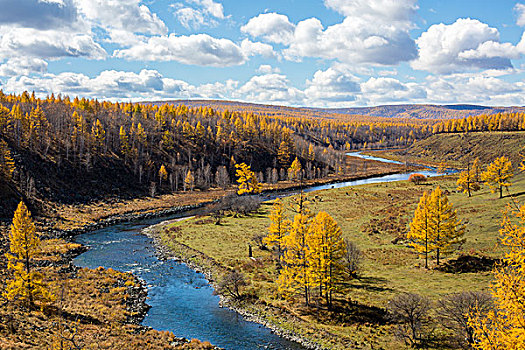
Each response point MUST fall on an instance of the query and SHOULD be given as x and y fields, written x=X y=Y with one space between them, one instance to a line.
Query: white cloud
x=252 y=49
x=211 y=7
x=198 y=49
x=48 y=44
x=267 y=69
x=372 y=32
x=464 y=45
x=189 y=18
x=272 y=27
x=386 y=90
x=38 y=14
x=332 y=85
x=520 y=11
x=269 y=88
x=122 y=16
x=388 y=10
x=22 y=66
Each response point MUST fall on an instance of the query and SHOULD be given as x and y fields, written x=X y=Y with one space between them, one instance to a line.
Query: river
x=182 y=300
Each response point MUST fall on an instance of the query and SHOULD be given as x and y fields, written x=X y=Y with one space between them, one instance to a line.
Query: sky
x=324 y=53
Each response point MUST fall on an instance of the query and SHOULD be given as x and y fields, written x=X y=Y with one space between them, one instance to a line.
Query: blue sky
x=325 y=53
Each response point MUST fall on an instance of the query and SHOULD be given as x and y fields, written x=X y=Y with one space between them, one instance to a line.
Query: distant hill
x=407 y=111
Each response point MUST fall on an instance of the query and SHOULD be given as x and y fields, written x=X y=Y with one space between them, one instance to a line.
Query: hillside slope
x=458 y=149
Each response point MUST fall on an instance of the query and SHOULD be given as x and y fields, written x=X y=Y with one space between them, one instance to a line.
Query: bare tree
x=231 y=285
x=353 y=258
x=455 y=309
x=411 y=314
x=222 y=178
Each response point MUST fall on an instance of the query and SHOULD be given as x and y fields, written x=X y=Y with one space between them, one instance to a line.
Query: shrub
x=417 y=178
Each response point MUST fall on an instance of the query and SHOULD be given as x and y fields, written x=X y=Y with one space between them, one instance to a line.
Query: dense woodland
x=494 y=122
x=76 y=150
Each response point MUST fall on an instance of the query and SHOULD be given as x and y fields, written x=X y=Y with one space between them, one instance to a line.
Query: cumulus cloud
x=464 y=45
x=251 y=48
x=49 y=44
x=198 y=49
x=37 y=13
x=205 y=14
x=22 y=66
x=267 y=69
x=520 y=11
x=372 y=32
x=123 y=16
x=210 y=7
x=388 y=10
x=189 y=18
x=332 y=85
x=272 y=27
x=386 y=90
x=269 y=88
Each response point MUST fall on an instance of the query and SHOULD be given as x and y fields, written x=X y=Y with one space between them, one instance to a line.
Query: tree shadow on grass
x=370 y=284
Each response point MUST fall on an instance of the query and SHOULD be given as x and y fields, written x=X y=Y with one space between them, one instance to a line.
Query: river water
x=182 y=300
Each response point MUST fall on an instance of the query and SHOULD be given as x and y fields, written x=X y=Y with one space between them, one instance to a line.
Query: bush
x=231 y=285
x=417 y=178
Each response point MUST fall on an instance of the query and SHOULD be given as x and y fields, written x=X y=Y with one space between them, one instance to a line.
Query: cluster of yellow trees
x=496 y=176
x=493 y=122
x=435 y=228
x=310 y=252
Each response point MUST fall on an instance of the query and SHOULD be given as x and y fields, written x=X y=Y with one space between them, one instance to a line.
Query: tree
x=353 y=258
x=247 y=180
x=447 y=229
x=24 y=245
x=124 y=142
x=411 y=314
x=417 y=178
x=504 y=326
x=231 y=285
x=497 y=175
x=7 y=164
x=295 y=169
x=468 y=180
x=435 y=227
x=420 y=236
x=326 y=254
x=455 y=310
x=189 y=181
x=295 y=277
x=163 y=175
x=278 y=229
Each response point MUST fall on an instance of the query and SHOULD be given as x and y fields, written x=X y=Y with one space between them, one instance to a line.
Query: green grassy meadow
x=372 y=216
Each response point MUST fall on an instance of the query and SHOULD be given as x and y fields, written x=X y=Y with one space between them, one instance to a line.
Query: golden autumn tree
x=24 y=245
x=498 y=174
x=295 y=276
x=7 y=164
x=468 y=180
x=504 y=326
x=326 y=253
x=295 y=169
x=278 y=229
x=446 y=228
x=163 y=174
x=189 y=181
x=420 y=235
x=98 y=134
x=124 y=142
x=435 y=227
x=247 y=180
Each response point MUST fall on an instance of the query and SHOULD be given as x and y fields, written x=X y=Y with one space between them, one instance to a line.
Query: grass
x=372 y=216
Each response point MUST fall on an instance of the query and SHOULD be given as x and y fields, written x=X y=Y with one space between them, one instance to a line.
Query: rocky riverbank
x=200 y=263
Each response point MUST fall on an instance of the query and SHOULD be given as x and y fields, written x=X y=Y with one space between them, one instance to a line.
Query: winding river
x=181 y=299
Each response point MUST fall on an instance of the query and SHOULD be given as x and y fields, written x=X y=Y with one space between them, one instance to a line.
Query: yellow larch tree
x=498 y=174
x=295 y=276
x=326 y=253
x=278 y=229
x=420 y=236
x=124 y=142
x=503 y=328
x=7 y=164
x=446 y=229
x=295 y=170
x=98 y=134
x=468 y=180
x=24 y=245
x=189 y=181
x=247 y=180
x=163 y=174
